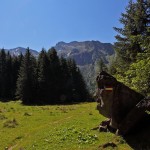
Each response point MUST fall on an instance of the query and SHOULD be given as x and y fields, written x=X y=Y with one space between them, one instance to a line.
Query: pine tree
x=8 y=77
x=130 y=38
x=54 y=76
x=16 y=63
x=77 y=87
x=27 y=80
x=64 y=81
x=81 y=89
x=135 y=22
x=123 y=46
x=43 y=77
x=2 y=73
x=133 y=47
x=101 y=65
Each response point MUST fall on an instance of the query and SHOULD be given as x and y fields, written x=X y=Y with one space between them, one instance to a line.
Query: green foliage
x=54 y=71
x=27 y=79
x=2 y=117
x=8 y=75
x=148 y=112
x=2 y=73
x=46 y=80
x=135 y=23
x=132 y=64
x=135 y=28
x=101 y=66
x=75 y=135
x=77 y=87
x=138 y=75
x=59 y=80
x=43 y=77
x=11 y=123
x=16 y=63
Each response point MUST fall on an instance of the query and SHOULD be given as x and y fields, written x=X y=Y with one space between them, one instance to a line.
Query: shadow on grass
x=6 y=100
x=55 y=103
x=139 y=138
x=41 y=103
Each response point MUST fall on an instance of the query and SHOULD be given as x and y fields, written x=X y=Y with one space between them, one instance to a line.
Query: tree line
x=47 y=79
x=131 y=64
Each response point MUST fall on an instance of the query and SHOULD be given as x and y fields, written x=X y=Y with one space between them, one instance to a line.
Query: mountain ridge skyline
x=65 y=42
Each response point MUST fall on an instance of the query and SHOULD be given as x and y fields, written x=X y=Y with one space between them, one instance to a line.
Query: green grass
x=55 y=127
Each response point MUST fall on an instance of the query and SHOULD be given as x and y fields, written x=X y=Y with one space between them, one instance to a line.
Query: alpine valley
x=86 y=54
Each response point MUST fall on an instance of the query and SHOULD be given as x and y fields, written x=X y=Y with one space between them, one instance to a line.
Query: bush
x=2 y=117
x=11 y=123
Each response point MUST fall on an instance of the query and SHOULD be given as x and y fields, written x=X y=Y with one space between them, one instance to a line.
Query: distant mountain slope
x=86 y=54
x=17 y=51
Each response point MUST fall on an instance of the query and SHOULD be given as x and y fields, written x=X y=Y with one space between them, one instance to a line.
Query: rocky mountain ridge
x=20 y=50
x=85 y=53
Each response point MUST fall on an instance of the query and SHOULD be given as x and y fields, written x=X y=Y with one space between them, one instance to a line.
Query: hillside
x=87 y=54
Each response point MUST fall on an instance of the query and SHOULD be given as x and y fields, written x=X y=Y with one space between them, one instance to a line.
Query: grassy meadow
x=56 y=127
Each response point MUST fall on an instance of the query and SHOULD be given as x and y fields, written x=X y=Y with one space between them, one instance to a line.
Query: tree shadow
x=139 y=137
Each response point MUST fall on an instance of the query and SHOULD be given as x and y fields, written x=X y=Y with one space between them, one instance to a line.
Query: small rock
x=109 y=144
x=103 y=128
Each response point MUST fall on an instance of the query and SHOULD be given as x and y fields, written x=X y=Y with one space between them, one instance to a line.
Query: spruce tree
x=43 y=77
x=78 y=91
x=16 y=63
x=2 y=73
x=130 y=38
x=135 y=22
x=54 y=76
x=64 y=81
x=27 y=79
x=101 y=65
x=9 y=77
x=124 y=45
x=81 y=88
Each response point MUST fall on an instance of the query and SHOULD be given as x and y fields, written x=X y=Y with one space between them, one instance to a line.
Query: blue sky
x=43 y=23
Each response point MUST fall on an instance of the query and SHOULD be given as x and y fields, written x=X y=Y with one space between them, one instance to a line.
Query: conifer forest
x=47 y=79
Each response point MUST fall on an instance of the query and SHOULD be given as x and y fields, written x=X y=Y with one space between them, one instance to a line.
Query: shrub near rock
x=11 y=123
x=2 y=117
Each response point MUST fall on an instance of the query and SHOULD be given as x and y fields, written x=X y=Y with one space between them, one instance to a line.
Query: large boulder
x=118 y=102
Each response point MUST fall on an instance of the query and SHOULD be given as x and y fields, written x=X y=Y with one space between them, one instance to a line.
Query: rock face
x=85 y=53
x=122 y=105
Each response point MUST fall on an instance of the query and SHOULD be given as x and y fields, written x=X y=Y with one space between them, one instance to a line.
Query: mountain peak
x=20 y=50
x=85 y=52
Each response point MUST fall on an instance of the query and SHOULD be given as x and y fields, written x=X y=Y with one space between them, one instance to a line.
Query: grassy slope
x=53 y=127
